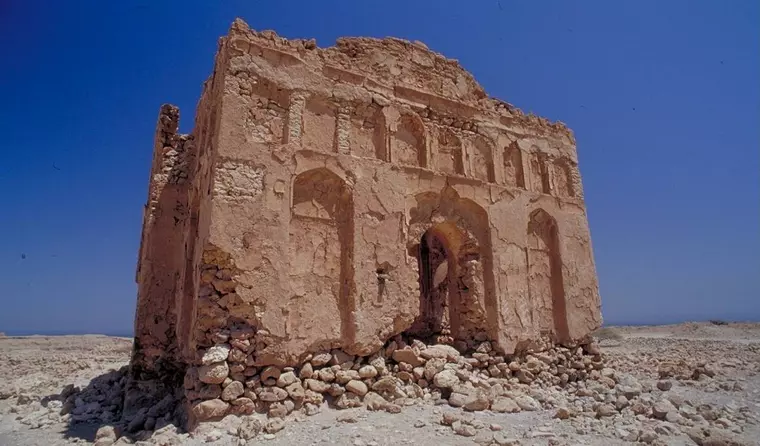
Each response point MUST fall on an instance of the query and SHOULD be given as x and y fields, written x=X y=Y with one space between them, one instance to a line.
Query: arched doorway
x=450 y=278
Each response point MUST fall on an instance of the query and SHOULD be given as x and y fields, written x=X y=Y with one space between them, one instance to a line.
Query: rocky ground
x=696 y=383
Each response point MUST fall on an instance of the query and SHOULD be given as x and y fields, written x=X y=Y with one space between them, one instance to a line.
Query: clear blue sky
x=663 y=96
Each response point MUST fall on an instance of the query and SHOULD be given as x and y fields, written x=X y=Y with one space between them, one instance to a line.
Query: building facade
x=333 y=198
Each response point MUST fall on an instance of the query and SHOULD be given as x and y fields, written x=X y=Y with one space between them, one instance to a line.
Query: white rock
x=440 y=351
x=527 y=403
x=217 y=353
x=503 y=404
x=446 y=379
x=321 y=359
x=662 y=407
x=233 y=391
x=286 y=379
x=357 y=387
x=213 y=373
x=368 y=371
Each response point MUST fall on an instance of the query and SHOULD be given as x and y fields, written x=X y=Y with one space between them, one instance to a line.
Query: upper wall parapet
x=403 y=67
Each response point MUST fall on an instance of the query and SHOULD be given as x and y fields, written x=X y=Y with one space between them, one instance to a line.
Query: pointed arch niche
x=545 y=284
x=409 y=142
x=513 y=166
x=320 y=256
x=539 y=172
x=481 y=161
x=449 y=154
x=564 y=178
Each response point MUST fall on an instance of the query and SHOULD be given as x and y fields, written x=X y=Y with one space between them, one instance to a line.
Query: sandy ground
x=35 y=370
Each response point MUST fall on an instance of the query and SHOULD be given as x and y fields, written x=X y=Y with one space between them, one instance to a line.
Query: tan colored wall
x=328 y=168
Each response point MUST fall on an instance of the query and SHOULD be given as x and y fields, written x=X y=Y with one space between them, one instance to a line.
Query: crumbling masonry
x=328 y=201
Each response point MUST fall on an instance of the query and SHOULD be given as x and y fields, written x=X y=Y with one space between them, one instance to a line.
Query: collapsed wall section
x=156 y=364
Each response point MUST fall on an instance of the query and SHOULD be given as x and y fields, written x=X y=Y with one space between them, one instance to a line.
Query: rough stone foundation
x=474 y=377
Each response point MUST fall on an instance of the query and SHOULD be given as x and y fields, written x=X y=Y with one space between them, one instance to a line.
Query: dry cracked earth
x=686 y=384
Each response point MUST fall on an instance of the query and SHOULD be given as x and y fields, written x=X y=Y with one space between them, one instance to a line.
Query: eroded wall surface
x=341 y=196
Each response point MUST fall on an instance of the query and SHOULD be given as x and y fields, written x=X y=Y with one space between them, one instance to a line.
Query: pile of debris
x=475 y=377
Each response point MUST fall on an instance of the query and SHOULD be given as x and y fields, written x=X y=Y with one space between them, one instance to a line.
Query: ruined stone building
x=332 y=198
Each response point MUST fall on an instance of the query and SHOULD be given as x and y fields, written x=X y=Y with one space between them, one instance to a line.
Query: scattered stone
x=661 y=409
x=483 y=438
x=446 y=379
x=210 y=409
x=213 y=373
x=233 y=391
x=462 y=429
x=367 y=371
x=374 y=401
x=321 y=359
x=505 y=404
x=606 y=410
x=274 y=425
x=271 y=394
x=106 y=436
x=647 y=436
x=527 y=403
x=217 y=353
x=440 y=351
x=357 y=387
x=307 y=371
x=448 y=418
x=286 y=379
x=270 y=375
x=477 y=401
x=347 y=418
x=408 y=356
x=501 y=439
x=249 y=428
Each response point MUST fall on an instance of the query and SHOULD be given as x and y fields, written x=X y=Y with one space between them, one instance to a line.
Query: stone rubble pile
x=100 y=402
x=405 y=371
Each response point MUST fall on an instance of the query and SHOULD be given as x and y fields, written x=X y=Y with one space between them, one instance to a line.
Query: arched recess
x=321 y=259
x=513 y=166
x=481 y=161
x=451 y=239
x=563 y=178
x=449 y=155
x=369 y=137
x=545 y=284
x=409 y=141
x=539 y=172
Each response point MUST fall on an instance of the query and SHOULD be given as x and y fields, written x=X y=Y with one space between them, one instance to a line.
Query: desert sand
x=692 y=383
